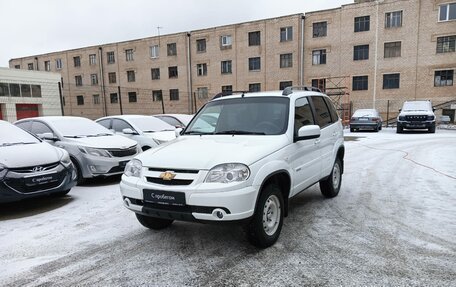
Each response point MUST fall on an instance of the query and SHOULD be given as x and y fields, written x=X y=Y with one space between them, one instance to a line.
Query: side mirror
x=129 y=131
x=47 y=137
x=178 y=131
x=433 y=109
x=308 y=132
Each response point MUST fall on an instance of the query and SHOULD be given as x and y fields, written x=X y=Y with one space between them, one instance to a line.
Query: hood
x=205 y=152
x=416 y=113
x=106 y=142
x=29 y=155
x=163 y=136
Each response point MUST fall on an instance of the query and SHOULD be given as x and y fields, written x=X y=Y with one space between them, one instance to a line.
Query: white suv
x=240 y=159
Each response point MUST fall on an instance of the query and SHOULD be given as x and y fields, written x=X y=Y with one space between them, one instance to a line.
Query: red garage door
x=26 y=111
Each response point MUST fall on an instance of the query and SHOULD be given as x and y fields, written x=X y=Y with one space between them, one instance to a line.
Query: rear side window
x=332 y=110
x=322 y=114
x=303 y=114
x=119 y=125
x=106 y=123
x=171 y=121
x=26 y=126
x=39 y=128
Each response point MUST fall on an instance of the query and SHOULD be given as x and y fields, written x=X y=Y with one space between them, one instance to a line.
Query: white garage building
x=26 y=94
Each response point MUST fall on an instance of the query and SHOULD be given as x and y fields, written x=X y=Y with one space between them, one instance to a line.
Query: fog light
x=218 y=213
x=93 y=168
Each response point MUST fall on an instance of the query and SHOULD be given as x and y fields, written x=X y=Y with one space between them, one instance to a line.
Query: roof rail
x=289 y=90
x=224 y=94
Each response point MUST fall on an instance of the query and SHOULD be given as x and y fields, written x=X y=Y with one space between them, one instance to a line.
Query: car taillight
x=375 y=119
x=353 y=119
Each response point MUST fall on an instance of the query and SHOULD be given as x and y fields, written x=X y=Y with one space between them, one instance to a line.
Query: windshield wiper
x=238 y=132
x=197 y=133
x=18 y=143
x=73 y=137
x=99 y=135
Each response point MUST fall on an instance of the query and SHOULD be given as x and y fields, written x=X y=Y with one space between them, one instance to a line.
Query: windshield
x=78 y=127
x=417 y=106
x=12 y=135
x=151 y=124
x=252 y=115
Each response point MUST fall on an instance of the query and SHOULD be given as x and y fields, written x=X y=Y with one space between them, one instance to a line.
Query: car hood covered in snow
x=162 y=136
x=25 y=155
x=205 y=152
x=108 y=142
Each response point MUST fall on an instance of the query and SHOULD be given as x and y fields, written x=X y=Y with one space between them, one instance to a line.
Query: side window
x=332 y=110
x=322 y=114
x=119 y=125
x=106 y=123
x=39 y=128
x=303 y=114
x=171 y=121
x=26 y=126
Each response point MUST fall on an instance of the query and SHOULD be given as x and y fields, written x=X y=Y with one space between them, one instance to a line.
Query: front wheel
x=266 y=224
x=431 y=130
x=153 y=222
x=330 y=186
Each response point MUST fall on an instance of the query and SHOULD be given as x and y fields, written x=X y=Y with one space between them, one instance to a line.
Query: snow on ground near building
x=393 y=223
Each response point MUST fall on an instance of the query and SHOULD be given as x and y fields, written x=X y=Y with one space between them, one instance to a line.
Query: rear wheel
x=330 y=187
x=153 y=222
x=266 y=224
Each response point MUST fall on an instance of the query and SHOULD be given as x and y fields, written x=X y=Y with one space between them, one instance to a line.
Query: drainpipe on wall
x=103 y=91
x=301 y=50
x=375 y=55
x=37 y=66
x=189 y=75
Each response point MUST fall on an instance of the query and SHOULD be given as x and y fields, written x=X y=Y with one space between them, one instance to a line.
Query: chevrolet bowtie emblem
x=167 y=175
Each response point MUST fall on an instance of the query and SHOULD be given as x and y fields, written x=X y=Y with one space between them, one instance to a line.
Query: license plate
x=164 y=197
x=363 y=119
x=41 y=179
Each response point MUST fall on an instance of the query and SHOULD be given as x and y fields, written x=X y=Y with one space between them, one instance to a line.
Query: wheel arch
x=340 y=155
x=282 y=179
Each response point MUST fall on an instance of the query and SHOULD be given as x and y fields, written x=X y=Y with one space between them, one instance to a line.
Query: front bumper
x=94 y=166
x=17 y=186
x=202 y=203
x=416 y=125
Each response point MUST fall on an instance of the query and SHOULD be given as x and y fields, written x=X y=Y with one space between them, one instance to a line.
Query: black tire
x=153 y=222
x=330 y=186
x=352 y=130
x=380 y=128
x=61 y=193
x=399 y=130
x=270 y=204
x=431 y=130
x=376 y=129
x=79 y=179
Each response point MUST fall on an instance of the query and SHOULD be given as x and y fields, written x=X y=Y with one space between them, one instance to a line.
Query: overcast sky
x=31 y=27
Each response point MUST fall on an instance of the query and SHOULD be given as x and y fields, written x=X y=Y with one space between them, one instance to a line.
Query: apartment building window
x=114 y=98
x=131 y=76
x=157 y=95
x=47 y=65
x=284 y=84
x=132 y=97
x=286 y=60
x=225 y=42
x=360 y=83
x=172 y=72
x=15 y=90
x=319 y=83
x=255 y=38
x=112 y=78
x=201 y=69
x=17 y=66
x=255 y=64
x=361 y=52
x=443 y=78
x=227 y=89
x=226 y=67
x=111 y=57
x=4 y=90
x=173 y=94
x=446 y=44
x=392 y=49
x=77 y=61
x=154 y=51
x=286 y=34
x=30 y=66
x=96 y=99
x=92 y=59
x=319 y=29
x=36 y=91
x=447 y=12
x=319 y=57
x=201 y=45
x=80 y=100
x=391 y=81
x=393 y=19
x=129 y=55
x=58 y=64
x=78 y=80
x=25 y=91
x=202 y=93
x=172 y=49
x=94 y=79
x=155 y=73
x=362 y=23
x=256 y=87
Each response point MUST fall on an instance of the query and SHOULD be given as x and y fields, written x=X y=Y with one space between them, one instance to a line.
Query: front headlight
x=3 y=171
x=430 y=118
x=65 y=159
x=402 y=118
x=228 y=172
x=133 y=168
x=94 y=151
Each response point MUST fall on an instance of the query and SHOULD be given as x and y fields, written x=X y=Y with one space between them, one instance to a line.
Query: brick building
x=379 y=52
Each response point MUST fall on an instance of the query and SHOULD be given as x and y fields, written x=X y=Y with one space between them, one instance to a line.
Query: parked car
x=264 y=149
x=416 y=115
x=366 y=119
x=148 y=131
x=444 y=119
x=176 y=120
x=30 y=167
x=94 y=150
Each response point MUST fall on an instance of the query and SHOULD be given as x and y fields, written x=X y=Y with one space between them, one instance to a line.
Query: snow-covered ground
x=393 y=223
